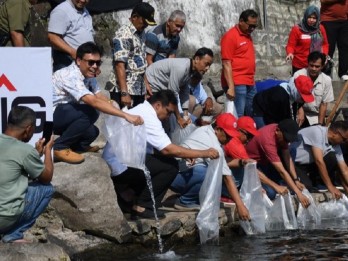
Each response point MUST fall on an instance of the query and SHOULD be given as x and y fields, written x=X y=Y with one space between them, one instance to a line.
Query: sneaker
x=147 y=214
x=68 y=156
x=186 y=207
x=344 y=77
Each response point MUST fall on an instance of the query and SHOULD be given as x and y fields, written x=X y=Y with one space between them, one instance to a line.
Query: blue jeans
x=259 y=122
x=36 y=200
x=188 y=183
x=244 y=99
x=75 y=125
x=273 y=175
x=237 y=176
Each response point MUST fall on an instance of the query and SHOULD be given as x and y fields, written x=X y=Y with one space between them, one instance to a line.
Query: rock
x=85 y=199
x=34 y=251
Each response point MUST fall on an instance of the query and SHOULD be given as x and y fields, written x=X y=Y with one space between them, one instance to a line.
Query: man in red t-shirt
x=235 y=150
x=334 y=17
x=238 y=63
x=270 y=150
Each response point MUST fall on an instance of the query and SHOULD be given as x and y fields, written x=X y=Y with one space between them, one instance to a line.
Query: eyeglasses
x=345 y=140
x=92 y=62
x=251 y=26
x=248 y=135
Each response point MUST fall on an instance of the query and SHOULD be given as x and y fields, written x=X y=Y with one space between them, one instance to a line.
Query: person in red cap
x=190 y=178
x=237 y=156
x=315 y=112
x=283 y=101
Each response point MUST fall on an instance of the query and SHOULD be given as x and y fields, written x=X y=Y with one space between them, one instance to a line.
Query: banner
x=26 y=79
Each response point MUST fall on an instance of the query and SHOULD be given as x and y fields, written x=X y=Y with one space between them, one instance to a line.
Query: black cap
x=146 y=11
x=289 y=128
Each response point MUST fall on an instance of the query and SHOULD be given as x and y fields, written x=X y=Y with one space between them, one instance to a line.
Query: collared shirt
x=199 y=93
x=69 y=85
x=322 y=91
x=129 y=48
x=73 y=25
x=159 y=44
x=238 y=48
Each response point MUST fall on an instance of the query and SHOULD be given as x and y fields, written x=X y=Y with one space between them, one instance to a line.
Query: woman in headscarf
x=306 y=37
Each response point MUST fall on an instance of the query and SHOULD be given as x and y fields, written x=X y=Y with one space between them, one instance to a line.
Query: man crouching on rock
x=159 y=159
x=76 y=101
x=21 y=203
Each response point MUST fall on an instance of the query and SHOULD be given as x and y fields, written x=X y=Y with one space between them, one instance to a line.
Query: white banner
x=26 y=79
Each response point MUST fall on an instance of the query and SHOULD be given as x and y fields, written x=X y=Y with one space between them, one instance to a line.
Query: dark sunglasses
x=92 y=62
x=248 y=135
x=251 y=26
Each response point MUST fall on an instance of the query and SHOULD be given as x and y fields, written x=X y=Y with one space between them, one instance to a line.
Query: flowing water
x=330 y=242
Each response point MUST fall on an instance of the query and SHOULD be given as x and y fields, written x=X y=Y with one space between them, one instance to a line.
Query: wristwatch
x=124 y=93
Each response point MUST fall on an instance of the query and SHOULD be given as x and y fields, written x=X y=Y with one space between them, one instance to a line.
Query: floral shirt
x=129 y=47
x=69 y=85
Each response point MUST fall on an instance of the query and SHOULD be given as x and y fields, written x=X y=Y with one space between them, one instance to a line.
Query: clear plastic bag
x=308 y=218
x=251 y=194
x=268 y=205
x=282 y=214
x=128 y=142
x=231 y=108
x=209 y=197
x=334 y=209
x=180 y=134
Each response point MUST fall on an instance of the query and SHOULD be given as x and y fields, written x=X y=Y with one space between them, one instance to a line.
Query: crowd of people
x=281 y=128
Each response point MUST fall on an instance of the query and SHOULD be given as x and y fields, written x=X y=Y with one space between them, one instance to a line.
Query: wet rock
x=85 y=199
x=32 y=251
x=141 y=227
x=170 y=227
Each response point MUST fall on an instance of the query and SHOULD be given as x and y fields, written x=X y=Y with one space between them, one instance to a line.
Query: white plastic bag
x=251 y=194
x=308 y=218
x=128 y=142
x=231 y=108
x=180 y=134
x=334 y=209
x=268 y=205
x=282 y=214
x=209 y=197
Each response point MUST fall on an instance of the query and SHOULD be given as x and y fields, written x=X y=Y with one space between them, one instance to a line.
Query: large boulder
x=85 y=199
x=35 y=251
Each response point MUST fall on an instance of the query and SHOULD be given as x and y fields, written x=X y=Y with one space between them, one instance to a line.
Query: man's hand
x=230 y=94
x=336 y=194
x=183 y=123
x=243 y=213
x=148 y=90
x=211 y=153
x=303 y=200
x=300 y=185
x=300 y=117
x=126 y=101
x=290 y=57
x=208 y=106
x=281 y=190
x=134 y=119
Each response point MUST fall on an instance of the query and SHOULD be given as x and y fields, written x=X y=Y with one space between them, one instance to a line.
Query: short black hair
x=244 y=16
x=339 y=125
x=166 y=97
x=202 y=52
x=314 y=56
x=20 y=116
x=88 y=47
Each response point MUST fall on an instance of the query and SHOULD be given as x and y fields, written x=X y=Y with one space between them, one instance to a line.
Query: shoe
x=147 y=214
x=88 y=149
x=344 y=77
x=68 y=156
x=186 y=207
x=227 y=202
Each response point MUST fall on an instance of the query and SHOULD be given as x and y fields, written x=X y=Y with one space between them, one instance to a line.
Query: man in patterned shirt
x=76 y=99
x=130 y=58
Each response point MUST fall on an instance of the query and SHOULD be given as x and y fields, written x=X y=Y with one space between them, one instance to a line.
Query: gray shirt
x=313 y=136
x=173 y=74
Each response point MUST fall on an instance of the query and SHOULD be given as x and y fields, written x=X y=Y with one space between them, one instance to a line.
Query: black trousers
x=163 y=171
x=337 y=34
x=309 y=173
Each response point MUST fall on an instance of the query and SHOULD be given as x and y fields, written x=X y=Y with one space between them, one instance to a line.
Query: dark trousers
x=309 y=173
x=137 y=99
x=163 y=171
x=60 y=60
x=75 y=125
x=337 y=34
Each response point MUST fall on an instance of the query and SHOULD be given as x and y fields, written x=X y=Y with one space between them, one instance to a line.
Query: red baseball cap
x=248 y=124
x=228 y=123
x=304 y=86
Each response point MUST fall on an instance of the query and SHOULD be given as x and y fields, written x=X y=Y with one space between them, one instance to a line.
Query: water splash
x=158 y=227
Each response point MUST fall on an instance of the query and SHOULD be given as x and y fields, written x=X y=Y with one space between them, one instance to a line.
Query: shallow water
x=329 y=242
